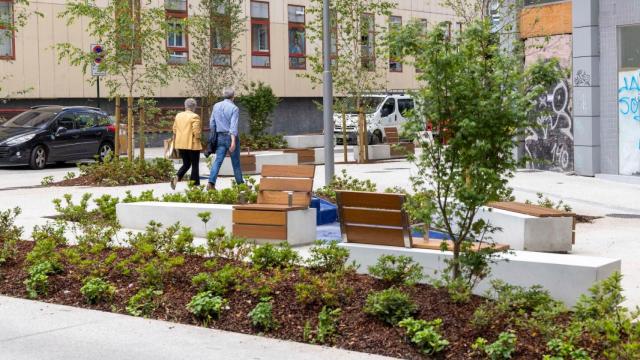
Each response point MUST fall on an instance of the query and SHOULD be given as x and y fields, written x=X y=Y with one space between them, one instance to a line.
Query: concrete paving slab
x=35 y=330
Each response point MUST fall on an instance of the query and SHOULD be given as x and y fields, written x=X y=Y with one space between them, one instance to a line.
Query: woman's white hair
x=190 y=104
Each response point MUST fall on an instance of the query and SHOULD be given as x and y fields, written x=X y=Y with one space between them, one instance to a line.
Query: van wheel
x=38 y=159
x=376 y=138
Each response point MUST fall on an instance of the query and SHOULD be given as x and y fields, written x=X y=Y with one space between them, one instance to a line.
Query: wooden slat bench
x=273 y=217
x=380 y=219
x=398 y=148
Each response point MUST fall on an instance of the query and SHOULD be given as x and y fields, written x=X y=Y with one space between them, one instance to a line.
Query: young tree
x=135 y=57
x=479 y=98
x=260 y=102
x=359 y=54
x=215 y=31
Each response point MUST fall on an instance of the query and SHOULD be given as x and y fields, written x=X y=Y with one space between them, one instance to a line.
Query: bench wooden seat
x=535 y=210
x=380 y=219
x=436 y=245
x=269 y=218
x=399 y=148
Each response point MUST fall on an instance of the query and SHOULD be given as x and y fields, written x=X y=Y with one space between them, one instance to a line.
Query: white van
x=381 y=111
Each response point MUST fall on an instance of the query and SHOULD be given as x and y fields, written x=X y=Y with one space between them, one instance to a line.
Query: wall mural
x=629 y=121
x=550 y=143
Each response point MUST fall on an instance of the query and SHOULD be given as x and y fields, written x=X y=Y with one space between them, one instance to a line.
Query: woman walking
x=186 y=139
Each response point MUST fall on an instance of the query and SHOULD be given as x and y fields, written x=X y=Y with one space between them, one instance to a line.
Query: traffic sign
x=98 y=52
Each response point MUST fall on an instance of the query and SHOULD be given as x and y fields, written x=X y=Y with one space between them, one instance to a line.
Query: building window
x=177 y=40
x=368 y=42
x=221 y=37
x=260 y=54
x=297 y=39
x=395 y=23
x=7 y=43
x=448 y=30
x=629 y=46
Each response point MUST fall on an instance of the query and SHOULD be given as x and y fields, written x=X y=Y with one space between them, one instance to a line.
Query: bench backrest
x=373 y=218
x=392 y=135
x=278 y=180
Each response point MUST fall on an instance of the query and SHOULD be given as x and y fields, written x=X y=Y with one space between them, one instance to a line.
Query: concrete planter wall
x=304 y=141
x=308 y=156
x=386 y=151
x=566 y=277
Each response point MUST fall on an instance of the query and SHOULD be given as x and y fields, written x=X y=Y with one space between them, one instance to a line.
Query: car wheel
x=38 y=158
x=104 y=150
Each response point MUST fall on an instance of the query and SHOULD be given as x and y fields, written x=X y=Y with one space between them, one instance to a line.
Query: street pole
x=327 y=96
x=98 y=91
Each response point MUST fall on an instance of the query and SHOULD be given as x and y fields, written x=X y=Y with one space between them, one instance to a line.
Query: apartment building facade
x=274 y=48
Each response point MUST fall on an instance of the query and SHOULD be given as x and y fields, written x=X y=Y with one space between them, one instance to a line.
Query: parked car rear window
x=30 y=118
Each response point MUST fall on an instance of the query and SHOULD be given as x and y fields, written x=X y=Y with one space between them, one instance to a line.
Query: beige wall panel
x=27 y=54
x=46 y=55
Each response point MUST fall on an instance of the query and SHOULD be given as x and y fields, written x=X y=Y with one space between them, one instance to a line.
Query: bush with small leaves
x=206 y=306
x=221 y=244
x=144 y=302
x=97 y=290
x=327 y=326
x=272 y=256
x=328 y=289
x=343 y=181
x=328 y=257
x=262 y=315
x=221 y=281
x=390 y=305
x=397 y=270
x=37 y=282
x=564 y=350
x=424 y=334
x=9 y=234
x=501 y=349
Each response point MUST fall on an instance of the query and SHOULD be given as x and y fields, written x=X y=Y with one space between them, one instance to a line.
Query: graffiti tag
x=629 y=121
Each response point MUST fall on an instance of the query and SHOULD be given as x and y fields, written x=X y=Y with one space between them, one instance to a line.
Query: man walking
x=186 y=139
x=224 y=119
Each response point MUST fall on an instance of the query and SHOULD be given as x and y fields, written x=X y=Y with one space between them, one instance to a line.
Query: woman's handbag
x=170 y=152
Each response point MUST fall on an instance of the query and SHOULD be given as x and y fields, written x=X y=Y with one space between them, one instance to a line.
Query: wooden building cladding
x=546 y=20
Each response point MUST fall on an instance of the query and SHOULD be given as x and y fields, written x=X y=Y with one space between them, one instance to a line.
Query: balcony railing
x=175 y=5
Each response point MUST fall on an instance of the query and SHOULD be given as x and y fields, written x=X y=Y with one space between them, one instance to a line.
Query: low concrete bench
x=530 y=227
x=566 y=277
x=136 y=216
x=300 y=225
x=305 y=141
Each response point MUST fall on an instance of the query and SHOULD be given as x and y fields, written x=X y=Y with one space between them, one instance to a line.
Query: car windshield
x=369 y=104
x=30 y=119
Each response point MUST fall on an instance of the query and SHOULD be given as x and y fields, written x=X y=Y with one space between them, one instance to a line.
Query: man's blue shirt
x=225 y=114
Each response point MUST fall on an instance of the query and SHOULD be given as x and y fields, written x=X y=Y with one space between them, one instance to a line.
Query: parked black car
x=46 y=134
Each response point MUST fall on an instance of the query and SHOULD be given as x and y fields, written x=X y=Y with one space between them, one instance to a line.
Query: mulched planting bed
x=92 y=181
x=356 y=330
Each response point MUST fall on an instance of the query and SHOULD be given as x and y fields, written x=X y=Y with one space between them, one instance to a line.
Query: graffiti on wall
x=549 y=143
x=629 y=121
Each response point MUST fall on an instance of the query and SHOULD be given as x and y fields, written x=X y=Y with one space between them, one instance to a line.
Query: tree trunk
x=362 y=142
x=344 y=136
x=456 y=257
x=130 y=149
x=116 y=144
x=141 y=105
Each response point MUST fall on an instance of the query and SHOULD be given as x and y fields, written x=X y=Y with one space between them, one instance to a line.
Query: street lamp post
x=327 y=96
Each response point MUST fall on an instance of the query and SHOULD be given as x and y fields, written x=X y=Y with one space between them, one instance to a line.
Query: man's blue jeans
x=224 y=143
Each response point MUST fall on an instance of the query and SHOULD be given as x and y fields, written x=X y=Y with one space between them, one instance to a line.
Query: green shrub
x=259 y=101
x=219 y=282
x=262 y=142
x=502 y=348
x=37 y=282
x=97 y=290
x=271 y=256
x=425 y=335
x=115 y=171
x=328 y=289
x=262 y=315
x=221 y=244
x=327 y=326
x=343 y=181
x=397 y=270
x=328 y=257
x=9 y=234
x=48 y=239
x=206 y=306
x=144 y=302
x=548 y=203
x=563 y=350
x=390 y=305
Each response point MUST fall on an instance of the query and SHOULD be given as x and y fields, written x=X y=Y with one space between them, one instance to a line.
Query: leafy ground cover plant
x=501 y=349
x=343 y=181
x=272 y=256
x=96 y=290
x=262 y=315
x=44 y=259
x=328 y=289
x=390 y=305
x=564 y=350
x=397 y=270
x=327 y=326
x=548 y=203
x=144 y=302
x=425 y=334
x=206 y=306
x=328 y=257
x=221 y=281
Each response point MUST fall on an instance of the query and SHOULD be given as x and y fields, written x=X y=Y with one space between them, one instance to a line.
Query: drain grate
x=624 y=216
